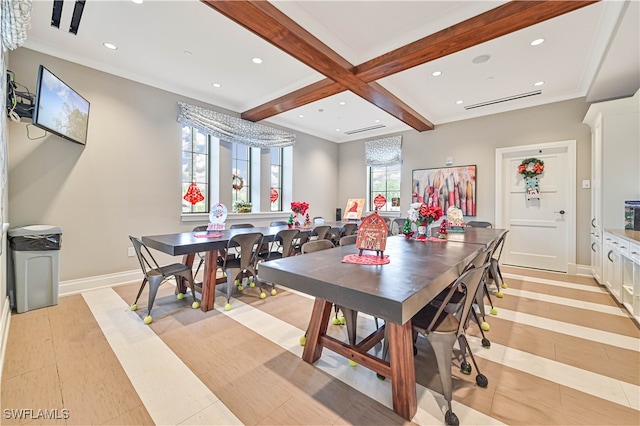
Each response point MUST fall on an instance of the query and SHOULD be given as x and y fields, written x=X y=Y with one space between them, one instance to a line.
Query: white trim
x=581 y=270
x=571 y=175
x=5 y=322
x=67 y=288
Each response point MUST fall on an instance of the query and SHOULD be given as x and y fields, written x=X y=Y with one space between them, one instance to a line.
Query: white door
x=541 y=231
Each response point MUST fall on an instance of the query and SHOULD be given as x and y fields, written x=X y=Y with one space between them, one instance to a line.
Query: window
x=241 y=174
x=385 y=181
x=275 y=191
x=195 y=168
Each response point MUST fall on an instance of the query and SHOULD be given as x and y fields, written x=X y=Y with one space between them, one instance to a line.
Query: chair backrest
x=321 y=231
x=497 y=251
x=348 y=240
x=145 y=258
x=278 y=223
x=249 y=244
x=200 y=228
x=468 y=282
x=349 y=229
x=479 y=224
x=400 y=224
x=241 y=225
x=284 y=239
x=316 y=245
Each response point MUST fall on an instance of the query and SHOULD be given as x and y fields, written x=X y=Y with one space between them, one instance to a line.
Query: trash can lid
x=21 y=231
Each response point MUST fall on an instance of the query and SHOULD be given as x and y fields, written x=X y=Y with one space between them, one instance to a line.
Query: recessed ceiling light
x=300 y=116
x=337 y=130
x=459 y=102
x=539 y=83
x=537 y=42
x=436 y=73
x=110 y=46
x=342 y=103
x=216 y=85
x=257 y=60
x=376 y=121
x=480 y=59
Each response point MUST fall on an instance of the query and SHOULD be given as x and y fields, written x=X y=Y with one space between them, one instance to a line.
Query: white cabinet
x=615 y=175
x=612 y=266
x=621 y=268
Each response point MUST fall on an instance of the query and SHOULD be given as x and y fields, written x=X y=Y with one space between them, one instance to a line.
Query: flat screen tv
x=59 y=109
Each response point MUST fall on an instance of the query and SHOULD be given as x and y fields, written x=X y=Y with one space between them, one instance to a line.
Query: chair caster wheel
x=148 y=319
x=380 y=376
x=482 y=381
x=465 y=368
x=486 y=343
x=451 y=419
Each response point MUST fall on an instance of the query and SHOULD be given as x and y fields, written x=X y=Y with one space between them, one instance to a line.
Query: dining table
x=417 y=271
x=471 y=235
x=187 y=244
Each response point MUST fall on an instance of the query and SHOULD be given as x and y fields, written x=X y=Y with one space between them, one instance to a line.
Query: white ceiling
x=593 y=52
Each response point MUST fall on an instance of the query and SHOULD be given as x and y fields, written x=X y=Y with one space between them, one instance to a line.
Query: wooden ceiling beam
x=266 y=21
x=278 y=29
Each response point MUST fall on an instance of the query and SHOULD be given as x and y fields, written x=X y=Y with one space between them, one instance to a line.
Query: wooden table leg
x=209 y=280
x=317 y=327
x=403 y=374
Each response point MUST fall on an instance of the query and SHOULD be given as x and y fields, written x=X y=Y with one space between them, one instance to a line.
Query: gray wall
x=474 y=141
x=126 y=180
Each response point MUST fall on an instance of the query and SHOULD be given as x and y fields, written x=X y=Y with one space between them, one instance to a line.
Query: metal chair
x=348 y=240
x=243 y=267
x=441 y=329
x=321 y=231
x=241 y=225
x=479 y=224
x=494 y=271
x=316 y=245
x=155 y=275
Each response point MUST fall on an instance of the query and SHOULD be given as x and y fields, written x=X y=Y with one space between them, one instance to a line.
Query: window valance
x=384 y=152
x=234 y=129
x=15 y=19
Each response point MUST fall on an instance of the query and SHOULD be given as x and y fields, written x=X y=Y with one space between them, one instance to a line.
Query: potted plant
x=242 y=207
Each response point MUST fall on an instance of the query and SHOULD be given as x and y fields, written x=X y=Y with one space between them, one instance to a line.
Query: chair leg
x=442 y=345
x=232 y=274
x=142 y=286
x=154 y=285
x=481 y=379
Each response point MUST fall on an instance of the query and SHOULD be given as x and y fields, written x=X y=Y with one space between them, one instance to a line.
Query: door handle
x=561 y=212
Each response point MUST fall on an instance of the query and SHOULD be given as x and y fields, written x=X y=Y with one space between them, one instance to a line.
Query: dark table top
x=472 y=235
x=194 y=242
x=417 y=272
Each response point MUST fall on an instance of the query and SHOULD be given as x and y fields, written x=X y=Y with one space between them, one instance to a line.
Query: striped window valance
x=384 y=152
x=15 y=19
x=233 y=129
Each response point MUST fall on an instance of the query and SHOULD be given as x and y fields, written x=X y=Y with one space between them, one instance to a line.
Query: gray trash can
x=35 y=255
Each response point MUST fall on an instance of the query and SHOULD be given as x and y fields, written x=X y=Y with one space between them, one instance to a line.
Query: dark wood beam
x=266 y=21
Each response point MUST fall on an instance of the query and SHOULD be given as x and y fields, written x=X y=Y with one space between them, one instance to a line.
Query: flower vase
x=422 y=232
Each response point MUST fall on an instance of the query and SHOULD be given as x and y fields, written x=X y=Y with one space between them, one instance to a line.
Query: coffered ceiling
x=347 y=70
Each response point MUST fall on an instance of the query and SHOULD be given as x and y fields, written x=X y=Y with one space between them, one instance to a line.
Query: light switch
x=449 y=161
x=586 y=184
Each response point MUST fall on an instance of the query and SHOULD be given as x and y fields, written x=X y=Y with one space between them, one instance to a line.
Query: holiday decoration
x=531 y=168
x=217 y=217
x=442 y=232
x=379 y=201
x=237 y=183
x=290 y=221
x=372 y=234
x=406 y=229
x=243 y=207
x=307 y=220
x=423 y=215
x=300 y=209
x=273 y=195
x=193 y=194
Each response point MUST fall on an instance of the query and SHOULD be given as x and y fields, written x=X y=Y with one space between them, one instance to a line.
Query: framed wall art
x=446 y=187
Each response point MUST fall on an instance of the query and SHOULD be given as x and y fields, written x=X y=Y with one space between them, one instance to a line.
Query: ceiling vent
x=364 y=129
x=509 y=98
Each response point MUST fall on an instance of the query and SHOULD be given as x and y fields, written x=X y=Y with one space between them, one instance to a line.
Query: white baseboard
x=580 y=270
x=70 y=287
x=5 y=321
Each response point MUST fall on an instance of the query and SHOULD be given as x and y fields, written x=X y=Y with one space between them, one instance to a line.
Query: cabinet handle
x=609 y=256
x=593 y=222
x=592 y=247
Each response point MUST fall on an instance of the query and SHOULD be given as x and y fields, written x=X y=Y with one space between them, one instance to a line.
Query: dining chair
x=349 y=229
x=155 y=275
x=441 y=329
x=241 y=225
x=321 y=231
x=243 y=267
x=494 y=271
x=348 y=240
x=282 y=246
x=400 y=224
x=316 y=245
x=479 y=224
x=201 y=256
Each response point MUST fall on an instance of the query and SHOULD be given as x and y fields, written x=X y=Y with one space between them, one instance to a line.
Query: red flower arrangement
x=299 y=207
x=425 y=214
